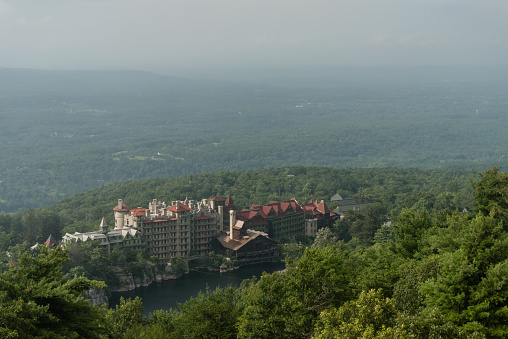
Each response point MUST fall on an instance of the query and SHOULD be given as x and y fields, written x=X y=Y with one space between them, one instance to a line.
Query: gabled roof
x=218 y=199
x=249 y=214
x=316 y=208
x=268 y=209
x=336 y=197
x=323 y=208
x=230 y=203
x=311 y=209
x=284 y=205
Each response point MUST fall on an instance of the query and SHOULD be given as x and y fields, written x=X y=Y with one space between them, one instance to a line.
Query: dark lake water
x=168 y=294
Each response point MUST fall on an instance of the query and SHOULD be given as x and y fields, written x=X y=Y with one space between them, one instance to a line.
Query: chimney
x=232 y=222
x=220 y=218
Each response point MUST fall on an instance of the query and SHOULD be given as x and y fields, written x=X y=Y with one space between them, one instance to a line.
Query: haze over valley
x=65 y=132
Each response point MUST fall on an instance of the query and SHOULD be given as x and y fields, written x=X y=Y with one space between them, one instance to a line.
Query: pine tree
x=37 y=301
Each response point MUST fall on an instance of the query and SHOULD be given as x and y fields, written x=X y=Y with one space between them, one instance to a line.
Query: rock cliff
x=150 y=274
x=96 y=297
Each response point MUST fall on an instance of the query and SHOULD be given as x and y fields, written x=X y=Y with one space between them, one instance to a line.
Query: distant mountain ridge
x=28 y=80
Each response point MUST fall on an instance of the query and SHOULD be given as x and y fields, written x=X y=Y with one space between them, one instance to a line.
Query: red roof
x=123 y=208
x=267 y=209
x=137 y=214
x=323 y=208
x=218 y=199
x=182 y=208
x=248 y=215
x=51 y=241
x=284 y=206
x=230 y=203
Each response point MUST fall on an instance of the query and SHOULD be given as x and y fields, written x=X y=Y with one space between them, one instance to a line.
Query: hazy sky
x=153 y=34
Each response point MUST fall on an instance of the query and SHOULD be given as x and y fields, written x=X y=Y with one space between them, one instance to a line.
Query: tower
x=121 y=210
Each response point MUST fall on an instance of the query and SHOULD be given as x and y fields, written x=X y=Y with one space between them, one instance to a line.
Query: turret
x=121 y=210
x=104 y=226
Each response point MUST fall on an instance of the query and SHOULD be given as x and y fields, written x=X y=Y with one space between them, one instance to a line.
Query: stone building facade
x=175 y=230
x=185 y=228
x=317 y=216
x=127 y=237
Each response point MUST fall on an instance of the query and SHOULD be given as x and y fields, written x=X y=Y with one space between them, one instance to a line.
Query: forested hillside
x=392 y=189
x=437 y=272
x=66 y=132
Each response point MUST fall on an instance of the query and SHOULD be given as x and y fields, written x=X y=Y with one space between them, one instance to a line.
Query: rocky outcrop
x=96 y=296
x=151 y=274
x=126 y=280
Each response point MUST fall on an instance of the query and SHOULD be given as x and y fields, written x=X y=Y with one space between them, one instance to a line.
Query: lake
x=168 y=294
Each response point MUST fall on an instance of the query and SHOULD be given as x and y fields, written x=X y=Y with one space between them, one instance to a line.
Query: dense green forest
x=436 y=272
x=391 y=188
x=66 y=132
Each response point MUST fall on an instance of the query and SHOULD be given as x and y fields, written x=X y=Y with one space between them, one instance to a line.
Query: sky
x=166 y=34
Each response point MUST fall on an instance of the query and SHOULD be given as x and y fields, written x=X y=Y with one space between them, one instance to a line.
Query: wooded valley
x=68 y=132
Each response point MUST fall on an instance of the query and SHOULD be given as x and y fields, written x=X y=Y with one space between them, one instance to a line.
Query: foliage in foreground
x=36 y=300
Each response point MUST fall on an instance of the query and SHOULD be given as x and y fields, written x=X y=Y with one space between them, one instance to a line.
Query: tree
x=379 y=268
x=179 y=266
x=409 y=229
x=406 y=292
x=213 y=314
x=37 y=301
x=384 y=235
x=369 y=316
x=491 y=194
x=127 y=315
x=325 y=237
x=287 y=304
x=471 y=288
x=365 y=223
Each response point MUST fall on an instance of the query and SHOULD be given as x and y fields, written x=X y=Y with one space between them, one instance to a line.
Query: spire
x=51 y=242
x=229 y=203
x=104 y=226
